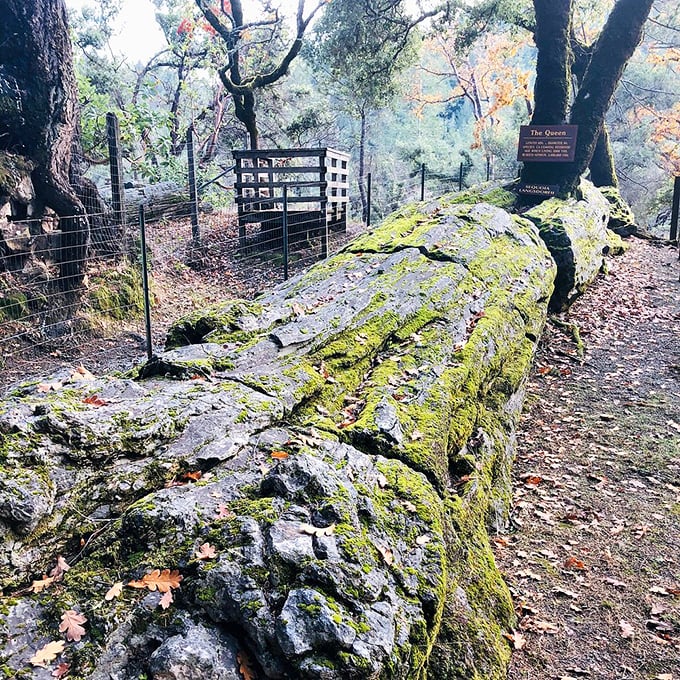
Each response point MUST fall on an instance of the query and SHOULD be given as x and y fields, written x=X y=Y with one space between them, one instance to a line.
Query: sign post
x=546 y=144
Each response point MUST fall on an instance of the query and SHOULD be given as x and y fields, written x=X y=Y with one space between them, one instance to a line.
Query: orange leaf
x=71 y=624
x=245 y=666
x=114 y=591
x=47 y=653
x=192 y=476
x=279 y=455
x=517 y=639
x=61 y=568
x=574 y=563
x=94 y=400
x=162 y=581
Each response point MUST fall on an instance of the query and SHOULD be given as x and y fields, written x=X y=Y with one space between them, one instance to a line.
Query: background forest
x=397 y=88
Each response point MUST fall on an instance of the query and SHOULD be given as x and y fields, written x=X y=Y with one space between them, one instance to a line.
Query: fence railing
x=132 y=277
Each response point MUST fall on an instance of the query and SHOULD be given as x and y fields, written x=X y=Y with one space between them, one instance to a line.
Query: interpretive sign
x=547 y=143
x=538 y=189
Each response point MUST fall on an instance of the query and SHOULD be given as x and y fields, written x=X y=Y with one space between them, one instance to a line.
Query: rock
x=575 y=232
x=621 y=217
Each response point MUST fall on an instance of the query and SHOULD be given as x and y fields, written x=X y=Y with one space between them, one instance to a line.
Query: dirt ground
x=593 y=559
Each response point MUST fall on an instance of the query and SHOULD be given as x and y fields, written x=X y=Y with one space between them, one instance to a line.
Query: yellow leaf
x=114 y=591
x=47 y=653
x=317 y=531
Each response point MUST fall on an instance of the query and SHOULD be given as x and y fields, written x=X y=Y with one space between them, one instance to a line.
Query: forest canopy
x=450 y=84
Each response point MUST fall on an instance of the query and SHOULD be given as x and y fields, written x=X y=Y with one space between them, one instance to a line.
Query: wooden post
x=422 y=181
x=116 y=169
x=193 y=191
x=460 y=178
x=675 y=209
x=323 y=204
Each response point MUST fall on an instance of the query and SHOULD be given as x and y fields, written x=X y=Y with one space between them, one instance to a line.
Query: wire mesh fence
x=71 y=288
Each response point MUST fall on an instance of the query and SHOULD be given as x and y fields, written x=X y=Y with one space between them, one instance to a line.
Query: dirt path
x=594 y=559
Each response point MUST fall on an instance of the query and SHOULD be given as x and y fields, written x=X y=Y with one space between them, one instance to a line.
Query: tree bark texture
x=617 y=42
x=37 y=56
x=602 y=168
x=553 y=77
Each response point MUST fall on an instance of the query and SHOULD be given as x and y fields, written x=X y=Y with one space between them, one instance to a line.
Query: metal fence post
x=368 y=200
x=422 y=181
x=488 y=168
x=145 y=283
x=285 y=232
x=193 y=190
x=675 y=208
x=116 y=171
x=460 y=178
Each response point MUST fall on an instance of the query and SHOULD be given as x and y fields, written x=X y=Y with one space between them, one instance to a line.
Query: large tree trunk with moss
x=615 y=46
x=553 y=77
x=42 y=121
x=602 y=167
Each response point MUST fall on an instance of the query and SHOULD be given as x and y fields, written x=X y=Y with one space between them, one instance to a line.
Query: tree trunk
x=615 y=46
x=602 y=168
x=362 y=168
x=553 y=77
x=36 y=54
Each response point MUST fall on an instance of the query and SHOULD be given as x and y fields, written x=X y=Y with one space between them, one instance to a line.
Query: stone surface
x=343 y=443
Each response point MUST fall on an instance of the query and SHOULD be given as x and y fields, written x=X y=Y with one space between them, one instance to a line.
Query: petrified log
x=354 y=434
x=576 y=234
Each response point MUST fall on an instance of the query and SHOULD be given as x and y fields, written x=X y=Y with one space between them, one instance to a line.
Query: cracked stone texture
x=387 y=382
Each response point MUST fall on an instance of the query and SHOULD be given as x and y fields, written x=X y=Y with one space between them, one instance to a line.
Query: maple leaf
x=47 y=653
x=81 y=374
x=71 y=624
x=166 y=600
x=206 y=552
x=162 y=581
x=386 y=554
x=114 y=591
x=223 y=512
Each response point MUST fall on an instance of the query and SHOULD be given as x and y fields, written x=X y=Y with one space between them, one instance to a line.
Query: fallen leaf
x=533 y=480
x=311 y=530
x=60 y=569
x=616 y=583
x=49 y=387
x=382 y=481
x=664 y=676
x=410 y=506
x=114 y=591
x=423 y=540
x=166 y=600
x=417 y=435
x=658 y=590
x=279 y=455
x=223 y=512
x=47 y=653
x=39 y=586
x=298 y=309
x=94 y=400
x=517 y=639
x=245 y=665
x=72 y=624
x=574 y=563
x=158 y=580
x=62 y=670
x=192 y=476
x=565 y=593
x=627 y=631
x=206 y=552
x=387 y=554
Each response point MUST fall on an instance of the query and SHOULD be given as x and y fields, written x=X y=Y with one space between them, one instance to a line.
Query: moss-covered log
x=353 y=431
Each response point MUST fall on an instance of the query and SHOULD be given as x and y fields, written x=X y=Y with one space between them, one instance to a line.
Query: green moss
x=117 y=293
x=13 y=306
x=219 y=324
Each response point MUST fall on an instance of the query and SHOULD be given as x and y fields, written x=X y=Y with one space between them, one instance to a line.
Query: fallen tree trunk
x=353 y=435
